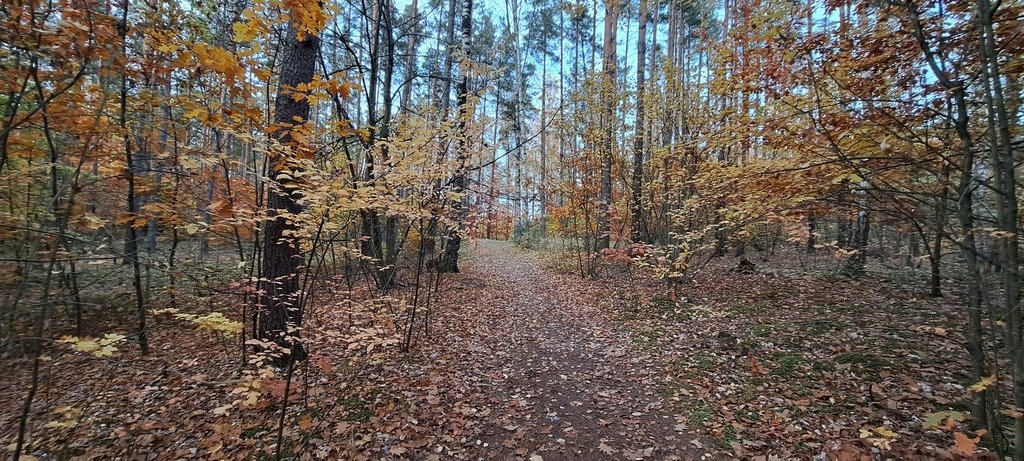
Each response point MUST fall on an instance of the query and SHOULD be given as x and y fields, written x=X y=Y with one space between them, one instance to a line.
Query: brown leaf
x=964 y=444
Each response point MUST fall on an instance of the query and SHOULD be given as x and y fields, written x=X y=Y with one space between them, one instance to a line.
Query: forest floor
x=526 y=360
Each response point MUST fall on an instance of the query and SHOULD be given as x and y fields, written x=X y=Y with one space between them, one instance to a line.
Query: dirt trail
x=562 y=380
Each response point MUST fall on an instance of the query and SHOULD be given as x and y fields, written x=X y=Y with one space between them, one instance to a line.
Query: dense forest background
x=260 y=184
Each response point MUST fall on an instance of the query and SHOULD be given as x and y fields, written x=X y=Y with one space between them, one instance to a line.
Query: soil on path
x=560 y=379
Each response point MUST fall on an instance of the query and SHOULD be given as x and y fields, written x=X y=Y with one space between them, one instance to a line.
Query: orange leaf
x=964 y=444
x=755 y=367
x=305 y=422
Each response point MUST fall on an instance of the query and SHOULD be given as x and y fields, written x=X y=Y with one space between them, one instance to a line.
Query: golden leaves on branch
x=98 y=347
x=219 y=60
x=215 y=321
x=307 y=16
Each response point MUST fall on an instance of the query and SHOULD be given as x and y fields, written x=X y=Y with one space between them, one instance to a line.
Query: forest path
x=561 y=377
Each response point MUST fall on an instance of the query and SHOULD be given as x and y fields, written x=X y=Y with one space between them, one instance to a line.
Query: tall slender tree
x=636 y=205
x=450 y=259
x=278 y=308
x=608 y=63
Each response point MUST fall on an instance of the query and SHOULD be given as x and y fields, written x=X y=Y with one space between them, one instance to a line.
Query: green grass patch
x=647 y=339
x=700 y=413
x=863 y=363
x=750 y=344
x=662 y=303
x=762 y=331
x=724 y=442
x=823 y=367
x=356 y=410
x=748 y=309
x=701 y=362
x=748 y=415
x=787 y=365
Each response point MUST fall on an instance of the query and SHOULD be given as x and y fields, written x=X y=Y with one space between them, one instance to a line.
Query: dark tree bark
x=812 y=229
x=278 y=303
x=410 y=58
x=636 y=206
x=982 y=407
x=935 y=257
x=859 y=236
x=449 y=261
x=1004 y=170
x=131 y=245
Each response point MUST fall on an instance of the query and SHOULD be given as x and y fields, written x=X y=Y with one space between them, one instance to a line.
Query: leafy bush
x=528 y=234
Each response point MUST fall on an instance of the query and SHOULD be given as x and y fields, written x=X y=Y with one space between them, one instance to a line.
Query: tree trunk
x=449 y=261
x=278 y=303
x=859 y=236
x=1005 y=173
x=410 y=58
x=812 y=229
x=544 y=146
x=608 y=61
x=131 y=246
x=983 y=410
x=636 y=208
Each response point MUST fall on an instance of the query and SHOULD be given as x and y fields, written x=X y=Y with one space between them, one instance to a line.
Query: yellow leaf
x=885 y=432
x=69 y=417
x=103 y=347
x=218 y=60
x=934 y=420
x=243 y=31
x=980 y=386
x=218 y=322
x=91 y=221
x=167 y=48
